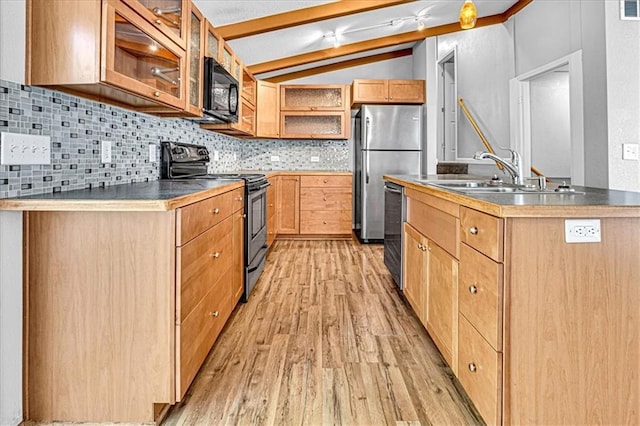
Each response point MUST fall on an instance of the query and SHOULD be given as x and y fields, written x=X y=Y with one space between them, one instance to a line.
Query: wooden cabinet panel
x=442 y=302
x=200 y=262
x=406 y=91
x=198 y=217
x=322 y=181
x=288 y=205
x=199 y=330
x=247 y=119
x=435 y=224
x=195 y=63
x=370 y=91
x=168 y=16
x=268 y=110
x=272 y=223
x=237 y=199
x=333 y=199
x=248 y=87
x=480 y=372
x=480 y=294
x=415 y=266
x=237 y=287
x=482 y=232
x=325 y=222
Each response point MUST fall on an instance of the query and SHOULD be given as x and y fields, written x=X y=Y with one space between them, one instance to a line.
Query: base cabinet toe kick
x=122 y=308
x=537 y=330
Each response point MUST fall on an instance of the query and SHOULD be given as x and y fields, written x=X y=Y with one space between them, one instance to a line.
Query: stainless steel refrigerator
x=388 y=140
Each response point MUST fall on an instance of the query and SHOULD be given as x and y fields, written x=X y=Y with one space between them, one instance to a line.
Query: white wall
x=12 y=40
x=399 y=68
x=10 y=318
x=623 y=96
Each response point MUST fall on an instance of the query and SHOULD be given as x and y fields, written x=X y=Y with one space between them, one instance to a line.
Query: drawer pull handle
x=472 y=367
x=156 y=94
x=215 y=314
x=215 y=255
x=473 y=289
x=158 y=22
x=324 y=198
x=239 y=198
x=473 y=230
x=324 y=222
x=325 y=181
x=215 y=211
x=420 y=246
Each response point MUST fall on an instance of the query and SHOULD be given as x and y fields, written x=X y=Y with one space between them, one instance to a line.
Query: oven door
x=256 y=225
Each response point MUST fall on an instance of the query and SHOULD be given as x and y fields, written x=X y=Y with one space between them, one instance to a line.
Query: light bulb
x=468 y=15
x=420 y=25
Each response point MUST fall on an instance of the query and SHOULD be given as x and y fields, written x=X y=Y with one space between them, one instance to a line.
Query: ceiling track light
x=468 y=15
x=334 y=36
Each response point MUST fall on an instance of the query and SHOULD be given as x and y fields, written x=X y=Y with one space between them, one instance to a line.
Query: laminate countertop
x=160 y=195
x=588 y=202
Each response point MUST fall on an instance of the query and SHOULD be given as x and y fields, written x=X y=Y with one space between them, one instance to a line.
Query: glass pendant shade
x=468 y=15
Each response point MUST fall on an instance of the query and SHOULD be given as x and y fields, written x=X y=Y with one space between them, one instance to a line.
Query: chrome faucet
x=513 y=167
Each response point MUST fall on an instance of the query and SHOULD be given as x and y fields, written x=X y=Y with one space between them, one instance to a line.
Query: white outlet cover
x=315 y=159
x=105 y=152
x=152 y=153
x=582 y=231
x=630 y=151
x=216 y=156
x=275 y=158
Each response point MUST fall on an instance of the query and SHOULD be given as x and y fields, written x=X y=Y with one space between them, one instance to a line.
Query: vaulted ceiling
x=284 y=40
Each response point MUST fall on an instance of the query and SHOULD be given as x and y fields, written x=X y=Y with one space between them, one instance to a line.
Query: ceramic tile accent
x=77 y=126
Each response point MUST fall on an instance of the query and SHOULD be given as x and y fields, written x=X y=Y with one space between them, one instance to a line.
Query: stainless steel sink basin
x=479 y=187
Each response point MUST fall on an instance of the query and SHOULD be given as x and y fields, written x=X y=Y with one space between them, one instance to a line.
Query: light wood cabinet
x=150 y=292
x=415 y=265
x=272 y=223
x=121 y=57
x=387 y=92
x=314 y=112
x=267 y=110
x=326 y=204
x=288 y=204
x=195 y=62
x=171 y=17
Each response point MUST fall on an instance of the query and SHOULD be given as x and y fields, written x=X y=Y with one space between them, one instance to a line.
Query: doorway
x=448 y=107
x=547 y=119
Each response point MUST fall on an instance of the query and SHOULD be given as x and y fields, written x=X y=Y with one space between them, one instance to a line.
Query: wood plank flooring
x=324 y=339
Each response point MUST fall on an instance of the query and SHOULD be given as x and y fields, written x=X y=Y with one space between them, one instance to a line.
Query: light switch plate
x=18 y=149
x=153 y=156
x=630 y=151
x=105 y=152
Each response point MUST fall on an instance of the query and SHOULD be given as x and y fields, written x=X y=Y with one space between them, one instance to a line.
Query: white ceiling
x=309 y=37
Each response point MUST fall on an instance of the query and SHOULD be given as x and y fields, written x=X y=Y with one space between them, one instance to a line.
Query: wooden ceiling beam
x=301 y=16
x=363 y=46
x=340 y=65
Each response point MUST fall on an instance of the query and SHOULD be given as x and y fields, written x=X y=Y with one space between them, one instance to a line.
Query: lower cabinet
x=272 y=225
x=288 y=207
x=415 y=270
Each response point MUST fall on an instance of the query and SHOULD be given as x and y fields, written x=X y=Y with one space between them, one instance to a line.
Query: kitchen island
x=538 y=330
x=126 y=289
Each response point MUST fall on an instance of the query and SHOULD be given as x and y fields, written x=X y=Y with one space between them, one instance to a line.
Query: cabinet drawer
x=325 y=181
x=482 y=232
x=196 y=218
x=325 y=222
x=480 y=371
x=325 y=199
x=435 y=224
x=200 y=329
x=200 y=263
x=480 y=294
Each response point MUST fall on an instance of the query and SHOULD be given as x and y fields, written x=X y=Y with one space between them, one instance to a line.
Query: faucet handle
x=515 y=157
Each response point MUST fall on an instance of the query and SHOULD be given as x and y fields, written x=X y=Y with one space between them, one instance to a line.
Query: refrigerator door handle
x=366 y=169
x=367 y=125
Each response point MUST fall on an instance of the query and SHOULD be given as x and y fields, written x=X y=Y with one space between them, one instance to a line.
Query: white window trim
x=629 y=18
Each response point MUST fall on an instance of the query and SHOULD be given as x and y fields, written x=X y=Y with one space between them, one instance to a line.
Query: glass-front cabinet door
x=169 y=16
x=140 y=59
x=312 y=98
x=213 y=44
x=194 y=62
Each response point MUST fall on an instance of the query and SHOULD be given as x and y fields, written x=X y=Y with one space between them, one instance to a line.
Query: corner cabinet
x=124 y=56
x=387 y=92
x=314 y=112
x=267 y=109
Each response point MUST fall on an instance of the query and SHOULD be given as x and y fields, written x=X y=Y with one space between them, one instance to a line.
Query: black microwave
x=220 y=94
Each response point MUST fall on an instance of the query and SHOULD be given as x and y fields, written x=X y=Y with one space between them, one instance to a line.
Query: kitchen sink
x=479 y=187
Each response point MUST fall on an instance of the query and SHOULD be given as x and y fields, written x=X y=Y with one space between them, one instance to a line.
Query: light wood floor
x=324 y=339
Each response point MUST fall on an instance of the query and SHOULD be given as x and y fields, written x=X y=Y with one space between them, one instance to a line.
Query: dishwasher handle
x=390 y=189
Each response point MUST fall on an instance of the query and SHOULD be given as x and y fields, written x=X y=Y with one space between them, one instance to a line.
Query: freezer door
x=393 y=127
x=374 y=165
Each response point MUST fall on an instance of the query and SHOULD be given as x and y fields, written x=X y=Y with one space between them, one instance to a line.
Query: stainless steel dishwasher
x=394 y=217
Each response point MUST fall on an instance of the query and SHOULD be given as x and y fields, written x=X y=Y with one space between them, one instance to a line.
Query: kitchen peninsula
x=539 y=329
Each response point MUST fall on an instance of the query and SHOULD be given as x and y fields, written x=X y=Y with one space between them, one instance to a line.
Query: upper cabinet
x=169 y=16
x=387 y=92
x=267 y=109
x=314 y=112
x=121 y=57
x=195 y=63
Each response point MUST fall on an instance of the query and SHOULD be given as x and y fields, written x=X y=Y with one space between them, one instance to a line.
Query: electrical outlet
x=275 y=158
x=152 y=153
x=315 y=159
x=582 y=231
x=216 y=156
x=630 y=151
x=17 y=148
x=105 y=152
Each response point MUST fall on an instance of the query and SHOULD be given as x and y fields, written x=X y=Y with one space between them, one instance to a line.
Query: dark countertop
x=161 y=195
x=592 y=202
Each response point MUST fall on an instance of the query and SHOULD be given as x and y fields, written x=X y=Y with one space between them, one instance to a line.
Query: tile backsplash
x=77 y=127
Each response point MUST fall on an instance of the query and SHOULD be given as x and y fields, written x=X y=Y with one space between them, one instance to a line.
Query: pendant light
x=468 y=15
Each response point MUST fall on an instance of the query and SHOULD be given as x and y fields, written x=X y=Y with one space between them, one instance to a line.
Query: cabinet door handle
x=158 y=22
x=324 y=198
x=420 y=246
x=215 y=314
x=216 y=255
x=156 y=94
x=324 y=222
x=325 y=181
x=473 y=289
x=215 y=211
x=473 y=230
x=239 y=198
x=472 y=367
